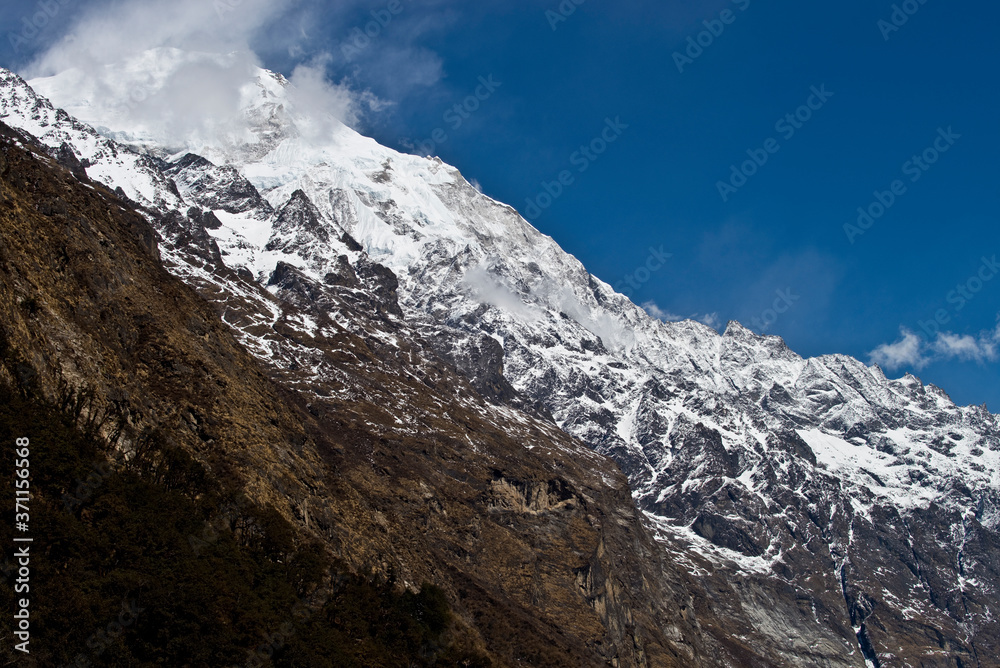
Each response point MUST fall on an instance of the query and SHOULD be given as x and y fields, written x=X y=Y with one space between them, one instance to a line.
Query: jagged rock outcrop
x=216 y=188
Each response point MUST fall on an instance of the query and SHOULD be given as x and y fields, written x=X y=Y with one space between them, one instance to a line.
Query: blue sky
x=557 y=79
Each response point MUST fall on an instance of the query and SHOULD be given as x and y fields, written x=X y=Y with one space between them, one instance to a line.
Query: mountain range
x=658 y=493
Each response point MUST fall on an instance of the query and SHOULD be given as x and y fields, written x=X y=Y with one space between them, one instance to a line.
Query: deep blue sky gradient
x=657 y=184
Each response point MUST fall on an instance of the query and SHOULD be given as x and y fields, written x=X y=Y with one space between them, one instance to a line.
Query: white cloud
x=560 y=297
x=906 y=352
x=655 y=311
x=913 y=351
x=192 y=96
x=400 y=70
x=969 y=348
x=709 y=319
x=487 y=288
x=109 y=33
x=315 y=97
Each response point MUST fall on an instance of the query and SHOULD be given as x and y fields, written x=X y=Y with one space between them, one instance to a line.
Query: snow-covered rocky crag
x=836 y=517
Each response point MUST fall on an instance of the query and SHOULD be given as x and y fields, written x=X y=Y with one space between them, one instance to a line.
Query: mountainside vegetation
x=152 y=561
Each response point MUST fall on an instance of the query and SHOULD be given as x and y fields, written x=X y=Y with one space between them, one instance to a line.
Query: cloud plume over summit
x=203 y=61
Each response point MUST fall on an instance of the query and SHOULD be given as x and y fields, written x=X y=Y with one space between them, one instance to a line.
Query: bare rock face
x=216 y=188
